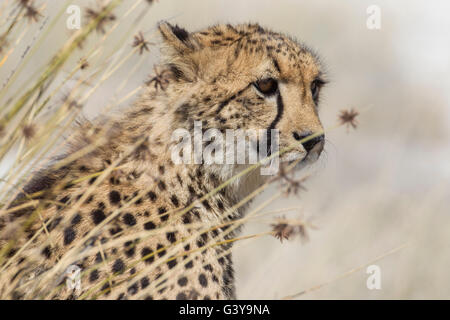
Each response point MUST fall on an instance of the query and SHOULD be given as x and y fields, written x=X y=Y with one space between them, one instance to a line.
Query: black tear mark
x=280 y=110
x=275 y=63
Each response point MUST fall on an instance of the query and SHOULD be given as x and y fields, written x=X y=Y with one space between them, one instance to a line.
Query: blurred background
x=375 y=188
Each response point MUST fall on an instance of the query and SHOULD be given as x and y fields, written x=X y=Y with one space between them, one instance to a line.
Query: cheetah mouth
x=301 y=159
x=294 y=157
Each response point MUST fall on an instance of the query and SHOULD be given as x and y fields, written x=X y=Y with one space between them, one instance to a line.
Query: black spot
x=202 y=240
x=172 y=263
x=152 y=195
x=46 y=252
x=114 y=197
x=206 y=204
x=115 y=230
x=54 y=223
x=162 y=211
x=182 y=281
x=196 y=214
x=92 y=180
x=133 y=289
x=98 y=216
x=130 y=248
x=171 y=237
x=207 y=297
x=180 y=181
x=203 y=281
x=146 y=254
x=89 y=199
x=129 y=219
x=93 y=276
x=76 y=219
x=220 y=204
x=162 y=252
x=191 y=190
x=98 y=258
x=106 y=289
x=161 y=169
x=186 y=218
x=69 y=235
x=189 y=265
x=144 y=282
x=181 y=296
x=193 y=294
x=149 y=225
x=118 y=266
x=174 y=200
x=200 y=243
x=208 y=267
x=161 y=185
x=65 y=199
x=68 y=186
x=138 y=201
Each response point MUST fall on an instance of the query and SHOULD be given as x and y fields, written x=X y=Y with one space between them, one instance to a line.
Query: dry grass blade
x=346 y=274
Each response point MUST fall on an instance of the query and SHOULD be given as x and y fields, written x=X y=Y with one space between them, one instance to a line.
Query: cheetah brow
x=224 y=103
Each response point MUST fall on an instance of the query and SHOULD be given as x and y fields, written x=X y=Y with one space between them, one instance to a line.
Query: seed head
x=348 y=118
x=161 y=79
x=23 y=3
x=29 y=131
x=3 y=43
x=282 y=230
x=31 y=13
x=290 y=184
x=141 y=43
x=83 y=63
x=286 y=229
x=105 y=18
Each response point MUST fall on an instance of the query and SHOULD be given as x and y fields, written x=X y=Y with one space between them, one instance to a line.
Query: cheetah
x=130 y=218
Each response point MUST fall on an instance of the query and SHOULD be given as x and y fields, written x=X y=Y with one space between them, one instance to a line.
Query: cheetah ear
x=176 y=37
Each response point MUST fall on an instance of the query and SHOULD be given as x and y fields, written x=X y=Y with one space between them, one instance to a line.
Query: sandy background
x=376 y=188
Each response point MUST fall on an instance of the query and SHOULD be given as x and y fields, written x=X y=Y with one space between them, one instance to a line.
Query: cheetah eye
x=315 y=88
x=267 y=86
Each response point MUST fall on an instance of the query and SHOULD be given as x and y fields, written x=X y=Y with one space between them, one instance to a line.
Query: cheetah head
x=247 y=77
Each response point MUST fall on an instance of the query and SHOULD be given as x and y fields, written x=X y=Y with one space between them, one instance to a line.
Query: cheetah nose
x=311 y=143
